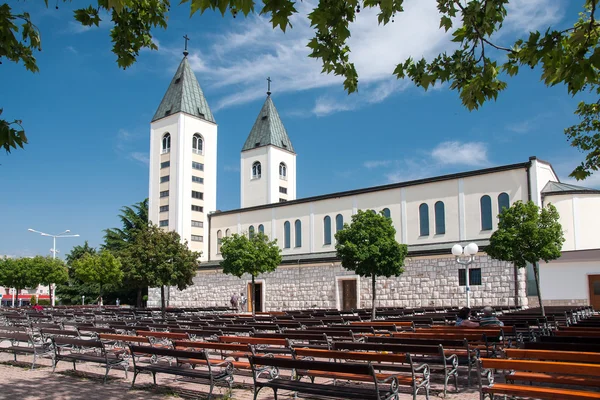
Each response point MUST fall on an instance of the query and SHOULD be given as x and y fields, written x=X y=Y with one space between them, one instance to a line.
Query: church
x=430 y=216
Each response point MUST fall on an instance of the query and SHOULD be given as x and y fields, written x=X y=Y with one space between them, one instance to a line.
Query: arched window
x=286 y=235
x=440 y=218
x=282 y=171
x=256 y=170
x=251 y=231
x=486 y=213
x=386 y=213
x=166 y=143
x=298 y=233
x=503 y=202
x=327 y=230
x=197 y=143
x=219 y=240
x=424 y=220
x=261 y=228
x=227 y=233
x=339 y=222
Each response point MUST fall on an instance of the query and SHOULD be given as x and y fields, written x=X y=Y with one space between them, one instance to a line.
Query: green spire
x=268 y=130
x=184 y=95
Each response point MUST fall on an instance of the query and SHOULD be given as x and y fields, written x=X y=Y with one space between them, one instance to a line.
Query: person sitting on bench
x=489 y=319
x=462 y=318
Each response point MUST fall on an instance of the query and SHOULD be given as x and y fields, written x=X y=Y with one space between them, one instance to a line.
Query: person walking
x=243 y=302
x=234 y=301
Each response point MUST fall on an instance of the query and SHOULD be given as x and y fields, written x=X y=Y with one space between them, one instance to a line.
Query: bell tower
x=268 y=160
x=183 y=160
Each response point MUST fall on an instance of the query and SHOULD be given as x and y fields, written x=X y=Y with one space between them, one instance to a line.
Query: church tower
x=268 y=160
x=183 y=160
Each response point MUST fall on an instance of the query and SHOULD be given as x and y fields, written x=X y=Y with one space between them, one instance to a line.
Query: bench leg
x=54 y=363
x=154 y=377
x=256 y=390
x=33 y=363
x=135 y=373
x=106 y=374
x=274 y=393
x=74 y=365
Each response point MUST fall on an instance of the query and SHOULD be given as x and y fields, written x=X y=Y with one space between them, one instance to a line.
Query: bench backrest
x=253 y=340
x=584 y=347
x=542 y=366
x=447 y=343
x=394 y=348
x=164 y=352
x=58 y=332
x=164 y=335
x=551 y=355
x=350 y=355
x=64 y=340
x=211 y=345
x=124 y=338
x=16 y=336
x=288 y=363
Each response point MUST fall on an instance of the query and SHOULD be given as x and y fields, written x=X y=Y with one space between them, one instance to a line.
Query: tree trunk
x=374 y=311
x=253 y=300
x=101 y=303
x=139 y=298
x=162 y=301
x=536 y=272
x=51 y=292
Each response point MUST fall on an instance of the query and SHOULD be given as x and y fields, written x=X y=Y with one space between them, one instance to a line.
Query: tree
x=527 y=234
x=368 y=247
x=49 y=271
x=18 y=273
x=134 y=219
x=102 y=268
x=71 y=292
x=477 y=69
x=252 y=255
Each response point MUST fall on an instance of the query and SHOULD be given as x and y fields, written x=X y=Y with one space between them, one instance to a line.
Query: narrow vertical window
x=219 y=240
x=440 y=218
x=424 y=220
x=197 y=143
x=261 y=228
x=386 y=213
x=251 y=231
x=286 y=235
x=339 y=222
x=327 y=230
x=282 y=171
x=298 y=233
x=227 y=233
x=256 y=170
x=166 y=143
x=503 y=202
x=486 y=213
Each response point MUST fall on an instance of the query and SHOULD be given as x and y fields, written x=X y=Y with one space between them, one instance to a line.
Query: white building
x=430 y=215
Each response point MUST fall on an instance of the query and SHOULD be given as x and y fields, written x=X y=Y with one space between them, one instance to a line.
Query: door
x=257 y=296
x=349 y=294
x=594 y=282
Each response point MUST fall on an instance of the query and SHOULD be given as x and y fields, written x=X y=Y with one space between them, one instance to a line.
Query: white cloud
x=377 y=164
x=457 y=153
x=140 y=157
x=232 y=168
x=235 y=62
x=71 y=49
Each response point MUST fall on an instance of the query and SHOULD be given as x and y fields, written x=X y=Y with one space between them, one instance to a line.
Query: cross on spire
x=269 y=86
x=185 y=51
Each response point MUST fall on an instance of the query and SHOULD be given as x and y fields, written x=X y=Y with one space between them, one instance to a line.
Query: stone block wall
x=534 y=302
x=426 y=282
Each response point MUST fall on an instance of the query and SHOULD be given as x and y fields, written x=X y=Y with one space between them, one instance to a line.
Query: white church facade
x=430 y=215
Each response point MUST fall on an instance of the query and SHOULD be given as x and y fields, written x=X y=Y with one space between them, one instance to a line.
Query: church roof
x=268 y=130
x=184 y=95
x=565 y=188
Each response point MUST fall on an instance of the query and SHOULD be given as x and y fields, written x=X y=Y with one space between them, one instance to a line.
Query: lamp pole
x=64 y=234
x=465 y=257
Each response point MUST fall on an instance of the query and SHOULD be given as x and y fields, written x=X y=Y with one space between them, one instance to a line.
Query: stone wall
x=431 y=281
x=534 y=302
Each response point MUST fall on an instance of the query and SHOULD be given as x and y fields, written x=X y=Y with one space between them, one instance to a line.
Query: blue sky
x=88 y=121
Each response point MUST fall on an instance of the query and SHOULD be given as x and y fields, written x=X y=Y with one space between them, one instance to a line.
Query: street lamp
x=60 y=235
x=465 y=257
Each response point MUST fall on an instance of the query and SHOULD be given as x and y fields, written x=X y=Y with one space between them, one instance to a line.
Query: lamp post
x=60 y=235
x=465 y=257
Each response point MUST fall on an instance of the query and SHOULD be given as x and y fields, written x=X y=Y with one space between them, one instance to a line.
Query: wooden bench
x=94 y=351
x=562 y=373
x=23 y=343
x=271 y=366
x=389 y=366
x=434 y=356
x=211 y=375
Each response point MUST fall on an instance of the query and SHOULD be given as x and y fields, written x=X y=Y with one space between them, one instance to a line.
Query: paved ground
x=19 y=382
